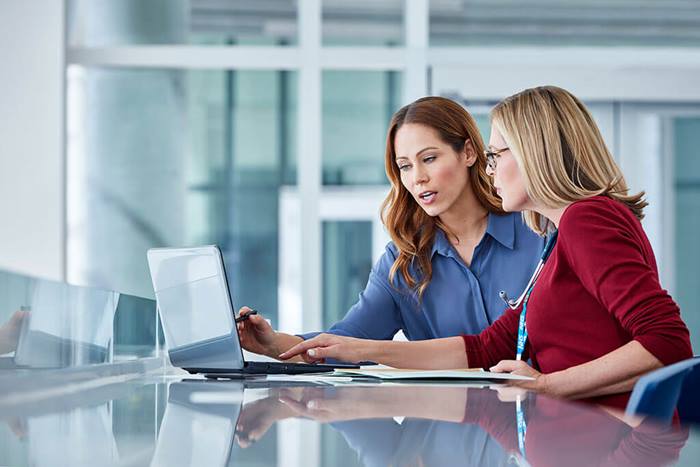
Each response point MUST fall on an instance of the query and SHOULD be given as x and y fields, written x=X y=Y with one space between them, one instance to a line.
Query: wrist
x=546 y=384
x=371 y=351
x=276 y=346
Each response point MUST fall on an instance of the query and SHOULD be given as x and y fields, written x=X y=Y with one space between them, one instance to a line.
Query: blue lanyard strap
x=522 y=426
x=522 y=329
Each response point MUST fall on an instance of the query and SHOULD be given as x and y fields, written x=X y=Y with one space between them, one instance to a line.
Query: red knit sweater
x=598 y=291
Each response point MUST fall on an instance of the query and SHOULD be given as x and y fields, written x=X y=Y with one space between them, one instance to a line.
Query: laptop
x=198 y=316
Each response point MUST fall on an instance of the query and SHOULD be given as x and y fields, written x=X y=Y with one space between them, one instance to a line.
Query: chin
x=510 y=206
x=504 y=203
x=431 y=211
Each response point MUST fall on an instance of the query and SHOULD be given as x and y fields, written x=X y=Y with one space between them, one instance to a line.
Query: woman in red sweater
x=595 y=318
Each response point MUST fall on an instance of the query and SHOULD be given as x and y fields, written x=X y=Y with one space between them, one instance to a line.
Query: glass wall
x=357 y=108
x=347 y=261
x=162 y=157
x=686 y=184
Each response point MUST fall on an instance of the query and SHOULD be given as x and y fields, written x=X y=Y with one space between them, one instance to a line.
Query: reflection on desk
x=257 y=422
x=435 y=425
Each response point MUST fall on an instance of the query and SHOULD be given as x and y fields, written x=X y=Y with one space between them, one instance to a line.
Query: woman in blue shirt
x=453 y=246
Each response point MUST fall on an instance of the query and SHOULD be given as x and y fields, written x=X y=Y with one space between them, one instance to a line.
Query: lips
x=427 y=197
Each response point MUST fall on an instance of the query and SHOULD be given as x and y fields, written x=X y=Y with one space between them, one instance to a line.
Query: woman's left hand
x=519 y=367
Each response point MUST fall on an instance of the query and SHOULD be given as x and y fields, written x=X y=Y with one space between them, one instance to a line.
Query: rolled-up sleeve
x=495 y=343
x=610 y=257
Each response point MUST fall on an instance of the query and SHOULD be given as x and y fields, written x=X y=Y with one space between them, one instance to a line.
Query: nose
x=420 y=176
x=489 y=171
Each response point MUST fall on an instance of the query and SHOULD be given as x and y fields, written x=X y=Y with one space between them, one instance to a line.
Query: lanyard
x=522 y=426
x=522 y=329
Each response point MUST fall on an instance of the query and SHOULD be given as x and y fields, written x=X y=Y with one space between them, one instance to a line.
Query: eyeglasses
x=491 y=158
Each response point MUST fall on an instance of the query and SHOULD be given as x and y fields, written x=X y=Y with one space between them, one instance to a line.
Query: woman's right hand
x=256 y=334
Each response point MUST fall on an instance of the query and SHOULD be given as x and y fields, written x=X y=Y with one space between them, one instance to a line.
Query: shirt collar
x=500 y=227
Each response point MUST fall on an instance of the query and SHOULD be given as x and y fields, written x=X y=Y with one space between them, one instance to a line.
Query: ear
x=469 y=153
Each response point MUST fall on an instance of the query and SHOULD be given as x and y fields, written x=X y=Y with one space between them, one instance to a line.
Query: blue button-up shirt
x=460 y=299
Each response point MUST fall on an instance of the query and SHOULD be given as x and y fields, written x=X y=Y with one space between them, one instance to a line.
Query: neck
x=467 y=218
x=553 y=214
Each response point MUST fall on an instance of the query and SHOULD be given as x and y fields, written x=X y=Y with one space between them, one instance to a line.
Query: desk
x=171 y=421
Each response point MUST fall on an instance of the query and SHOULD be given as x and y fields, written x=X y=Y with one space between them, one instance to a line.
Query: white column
x=309 y=162
x=31 y=146
x=416 y=20
x=299 y=443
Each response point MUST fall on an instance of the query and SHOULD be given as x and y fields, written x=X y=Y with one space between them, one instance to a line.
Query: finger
x=259 y=323
x=506 y=366
x=308 y=359
x=244 y=311
x=302 y=347
x=241 y=440
x=320 y=353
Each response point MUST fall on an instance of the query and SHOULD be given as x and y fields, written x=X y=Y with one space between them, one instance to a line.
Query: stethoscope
x=523 y=299
x=522 y=339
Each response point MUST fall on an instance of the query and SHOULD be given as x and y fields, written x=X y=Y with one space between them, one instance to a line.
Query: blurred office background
x=259 y=125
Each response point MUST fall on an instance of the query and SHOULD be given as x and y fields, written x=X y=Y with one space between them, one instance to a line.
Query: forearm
x=428 y=354
x=612 y=373
x=281 y=343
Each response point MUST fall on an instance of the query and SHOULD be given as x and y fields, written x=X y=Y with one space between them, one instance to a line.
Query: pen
x=244 y=317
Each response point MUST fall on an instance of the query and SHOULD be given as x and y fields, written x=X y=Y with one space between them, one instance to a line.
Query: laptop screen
x=192 y=293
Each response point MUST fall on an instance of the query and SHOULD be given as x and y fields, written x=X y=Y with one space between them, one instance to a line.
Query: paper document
x=387 y=373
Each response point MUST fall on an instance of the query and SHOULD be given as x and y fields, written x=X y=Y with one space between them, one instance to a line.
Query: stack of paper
x=388 y=373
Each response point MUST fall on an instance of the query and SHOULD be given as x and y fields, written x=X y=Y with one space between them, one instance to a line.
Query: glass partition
x=52 y=325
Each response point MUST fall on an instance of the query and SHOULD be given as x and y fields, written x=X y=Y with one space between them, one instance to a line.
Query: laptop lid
x=195 y=307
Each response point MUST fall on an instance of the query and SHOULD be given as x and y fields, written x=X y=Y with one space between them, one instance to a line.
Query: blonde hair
x=410 y=227
x=560 y=152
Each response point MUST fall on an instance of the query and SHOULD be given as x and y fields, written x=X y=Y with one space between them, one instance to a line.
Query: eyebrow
x=418 y=153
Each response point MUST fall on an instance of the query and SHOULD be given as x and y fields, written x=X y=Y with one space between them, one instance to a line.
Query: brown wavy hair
x=410 y=227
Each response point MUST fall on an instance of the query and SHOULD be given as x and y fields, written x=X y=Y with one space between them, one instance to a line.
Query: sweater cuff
x=667 y=351
x=474 y=350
